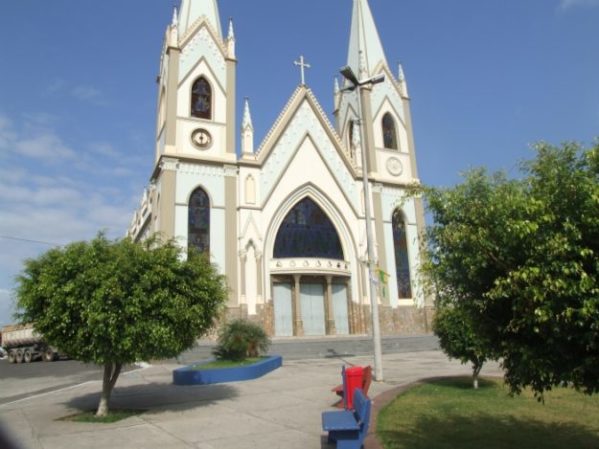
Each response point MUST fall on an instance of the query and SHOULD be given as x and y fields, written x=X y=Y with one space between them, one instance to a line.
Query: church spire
x=401 y=79
x=192 y=10
x=175 y=20
x=231 y=41
x=247 y=117
x=247 y=130
x=365 y=48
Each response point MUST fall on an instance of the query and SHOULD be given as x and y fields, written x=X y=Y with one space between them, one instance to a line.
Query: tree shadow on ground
x=157 y=397
x=461 y=382
x=453 y=432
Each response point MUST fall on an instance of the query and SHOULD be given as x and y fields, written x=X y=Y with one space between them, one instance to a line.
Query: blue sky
x=78 y=94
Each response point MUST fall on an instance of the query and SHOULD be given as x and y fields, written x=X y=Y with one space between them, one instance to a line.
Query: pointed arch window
x=402 y=261
x=199 y=221
x=389 y=132
x=201 y=99
x=307 y=231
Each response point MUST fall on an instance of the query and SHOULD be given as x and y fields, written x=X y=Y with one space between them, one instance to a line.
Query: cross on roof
x=303 y=66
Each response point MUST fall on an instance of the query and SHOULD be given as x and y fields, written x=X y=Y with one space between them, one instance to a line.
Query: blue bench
x=349 y=428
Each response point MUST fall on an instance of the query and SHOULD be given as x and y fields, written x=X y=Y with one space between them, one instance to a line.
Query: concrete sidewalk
x=279 y=410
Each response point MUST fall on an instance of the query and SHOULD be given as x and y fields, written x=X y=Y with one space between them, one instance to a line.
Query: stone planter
x=192 y=375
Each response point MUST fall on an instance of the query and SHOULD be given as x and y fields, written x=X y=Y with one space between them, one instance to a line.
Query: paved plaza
x=279 y=410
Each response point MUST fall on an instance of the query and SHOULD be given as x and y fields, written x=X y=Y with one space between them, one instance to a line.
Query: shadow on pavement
x=157 y=397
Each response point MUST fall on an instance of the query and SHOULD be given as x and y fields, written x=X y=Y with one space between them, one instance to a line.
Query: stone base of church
x=407 y=320
x=264 y=316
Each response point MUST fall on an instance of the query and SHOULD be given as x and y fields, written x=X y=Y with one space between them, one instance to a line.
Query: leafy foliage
x=117 y=302
x=459 y=340
x=521 y=258
x=240 y=339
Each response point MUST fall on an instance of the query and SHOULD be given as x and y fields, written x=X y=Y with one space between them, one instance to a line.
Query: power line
x=20 y=239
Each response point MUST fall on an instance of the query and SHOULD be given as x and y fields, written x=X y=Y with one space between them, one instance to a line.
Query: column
x=298 y=324
x=329 y=309
x=259 y=279
x=243 y=256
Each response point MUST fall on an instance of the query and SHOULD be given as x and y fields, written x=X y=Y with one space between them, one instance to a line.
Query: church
x=286 y=220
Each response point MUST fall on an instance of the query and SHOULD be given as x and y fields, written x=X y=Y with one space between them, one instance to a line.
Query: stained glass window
x=389 y=132
x=402 y=263
x=306 y=231
x=199 y=221
x=201 y=99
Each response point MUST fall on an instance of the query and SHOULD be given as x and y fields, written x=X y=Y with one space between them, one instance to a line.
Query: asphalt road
x=19 y=381
x=22 y=380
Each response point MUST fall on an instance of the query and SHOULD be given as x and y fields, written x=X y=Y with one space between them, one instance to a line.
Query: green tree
x=459 y=340
x=521 y=258
x=118 y=302
x=239 y=339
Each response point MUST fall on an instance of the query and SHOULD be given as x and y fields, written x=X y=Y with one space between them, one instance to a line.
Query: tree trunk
x=111 y=374
x=475 y=372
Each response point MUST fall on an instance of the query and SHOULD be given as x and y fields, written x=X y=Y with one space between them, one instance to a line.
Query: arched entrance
x=310 y=276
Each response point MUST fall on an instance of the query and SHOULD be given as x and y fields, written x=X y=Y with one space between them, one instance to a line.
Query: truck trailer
x=24 y=344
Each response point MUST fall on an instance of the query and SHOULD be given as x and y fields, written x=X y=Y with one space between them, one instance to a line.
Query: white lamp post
x=356 y=84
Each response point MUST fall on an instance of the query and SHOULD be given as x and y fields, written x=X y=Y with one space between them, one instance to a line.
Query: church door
x=283 y=310
x=340 y=309
x=312 y=303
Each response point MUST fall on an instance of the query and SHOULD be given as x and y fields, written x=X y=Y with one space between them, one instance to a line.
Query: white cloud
x=47 y=146
x=104 y=149
x=40 y=118
x=7 y=134
x=568 y=4
x=56 y=86
x=72 y=194
x=88 y=94
x=85 y=93
x=56 y=189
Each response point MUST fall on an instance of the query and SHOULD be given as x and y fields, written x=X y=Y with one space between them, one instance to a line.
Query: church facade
x=285 y=220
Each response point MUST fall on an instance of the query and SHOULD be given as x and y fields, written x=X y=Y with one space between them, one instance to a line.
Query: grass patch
x=113 y=416
x=450 y=414
x=219 y=364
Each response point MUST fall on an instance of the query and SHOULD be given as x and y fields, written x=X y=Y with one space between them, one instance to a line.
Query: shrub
x=240 y=339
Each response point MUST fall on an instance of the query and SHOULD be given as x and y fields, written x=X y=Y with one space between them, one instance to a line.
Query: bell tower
x=194 y=181
x=196 y=86
x=388 y=137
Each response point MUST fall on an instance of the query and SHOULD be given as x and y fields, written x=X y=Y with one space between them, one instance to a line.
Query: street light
x=356 y=84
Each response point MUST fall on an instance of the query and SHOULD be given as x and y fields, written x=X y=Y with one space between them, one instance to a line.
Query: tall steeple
x=192 y=10
x=364 y=41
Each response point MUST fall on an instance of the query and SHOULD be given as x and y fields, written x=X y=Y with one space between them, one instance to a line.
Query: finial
x=400 y=73
x=231 y=41
x=175 y=20
x=231 y=32
x=247 y=117
x=303 y=66
x=247 y=130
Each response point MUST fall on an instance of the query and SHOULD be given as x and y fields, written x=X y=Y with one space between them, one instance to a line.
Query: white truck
x=23 y=344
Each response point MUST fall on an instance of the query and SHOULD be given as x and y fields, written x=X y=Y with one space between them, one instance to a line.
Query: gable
x=203 y=44
x=306 y=140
